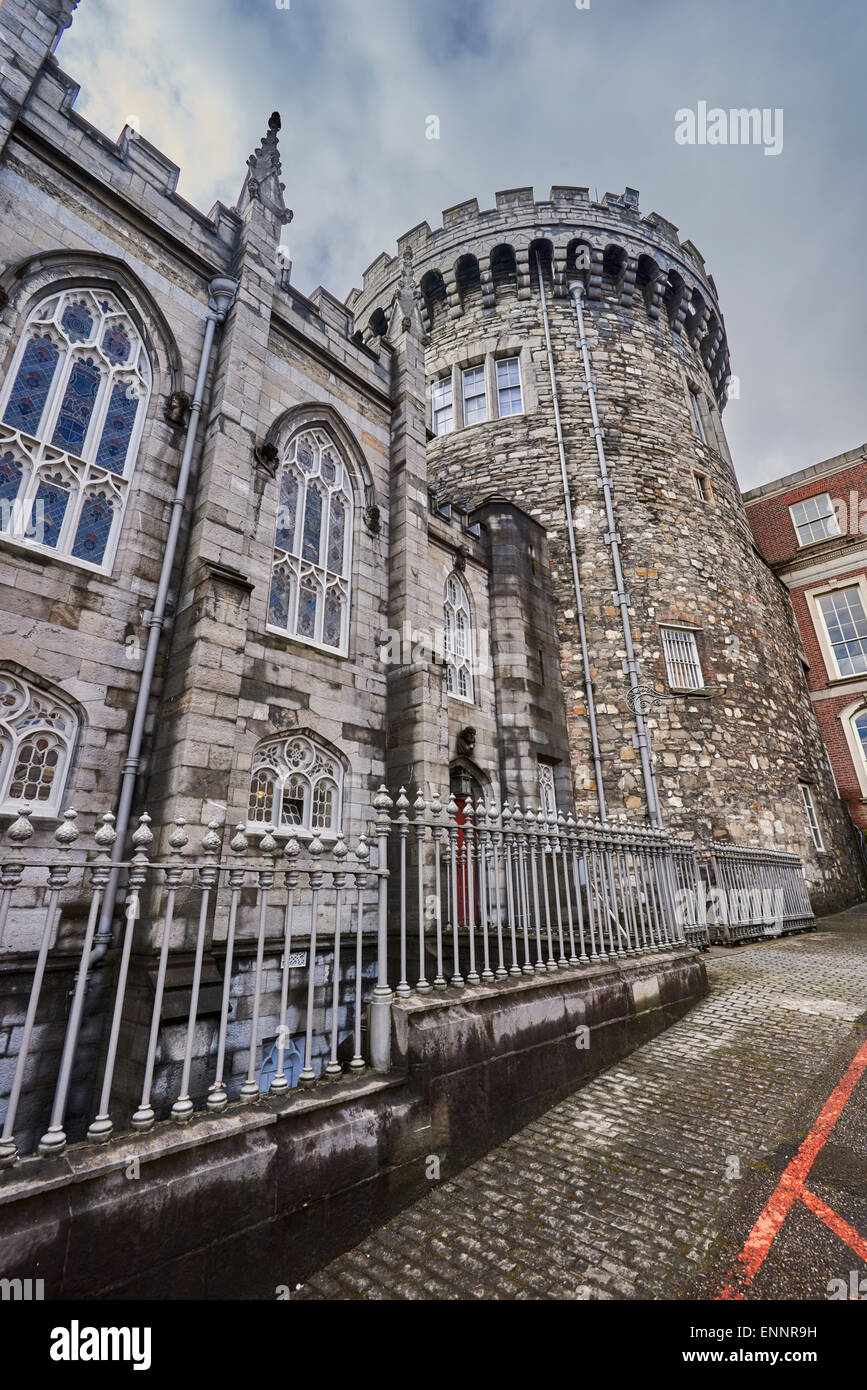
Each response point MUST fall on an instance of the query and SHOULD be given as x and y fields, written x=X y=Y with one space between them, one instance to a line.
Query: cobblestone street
x=647 y=1182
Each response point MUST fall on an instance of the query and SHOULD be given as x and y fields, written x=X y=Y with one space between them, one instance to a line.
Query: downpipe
x=573 y=556
x=221 y=296
x=631 y=667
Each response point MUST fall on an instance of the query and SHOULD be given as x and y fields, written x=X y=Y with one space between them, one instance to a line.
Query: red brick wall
x=773 y=527
x=777 y=540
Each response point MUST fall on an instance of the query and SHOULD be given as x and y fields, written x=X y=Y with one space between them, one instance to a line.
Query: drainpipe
x=576 y=582
x=221 y=296
x=621 y=597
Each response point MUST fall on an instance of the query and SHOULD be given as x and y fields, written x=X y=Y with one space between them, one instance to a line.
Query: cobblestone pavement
x=627 y=1188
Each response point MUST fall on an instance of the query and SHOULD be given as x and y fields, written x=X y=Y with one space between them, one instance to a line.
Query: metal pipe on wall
x=621 y=597
x=221 y=296
x=573 y=556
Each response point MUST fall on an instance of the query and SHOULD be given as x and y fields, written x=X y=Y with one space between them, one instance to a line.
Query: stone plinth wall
x=236 y=1206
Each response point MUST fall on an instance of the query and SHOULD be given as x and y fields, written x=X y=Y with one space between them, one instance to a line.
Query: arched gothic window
x=72 y=409
x=547 y=793
x=311 y=577
x=296 y=784
x=458 y=640
x=37 y=736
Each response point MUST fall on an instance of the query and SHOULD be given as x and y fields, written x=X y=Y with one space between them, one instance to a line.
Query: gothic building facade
x=476 y=529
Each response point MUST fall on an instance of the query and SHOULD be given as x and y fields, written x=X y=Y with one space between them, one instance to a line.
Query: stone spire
x=262 y=183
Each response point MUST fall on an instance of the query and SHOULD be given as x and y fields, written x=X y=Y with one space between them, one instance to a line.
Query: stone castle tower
x=688 y=700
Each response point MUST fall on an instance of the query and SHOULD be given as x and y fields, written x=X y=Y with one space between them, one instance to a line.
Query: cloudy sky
x=538 y=93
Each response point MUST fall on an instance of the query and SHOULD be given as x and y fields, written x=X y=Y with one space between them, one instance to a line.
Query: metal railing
x=454 y=895
x=756 y=893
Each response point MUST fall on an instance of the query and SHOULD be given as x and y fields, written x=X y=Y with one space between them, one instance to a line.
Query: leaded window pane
x=336 y=535
x=77 y=321
x=332 y=621
x=35 y=769
x=280 y=599
x=49 y=510
x=262 y=797
x=94 y=529
x=312 y=524
x=32 y=384
x=118 y=428
x=116 y=344
x=77 y=408
x=11 y=474
x=287 y=511
x=307 y=610
x=324 y=799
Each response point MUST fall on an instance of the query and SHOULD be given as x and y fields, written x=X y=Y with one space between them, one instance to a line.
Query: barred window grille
x=682 y=663
x=72 y=409
x=296 y=785
x=812 y=817
x=814 y=519
x=458 y=641
x=312 y=568
x=846 y=626
x=37 y=736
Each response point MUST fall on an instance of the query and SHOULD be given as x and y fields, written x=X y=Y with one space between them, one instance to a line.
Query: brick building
x=810 y=527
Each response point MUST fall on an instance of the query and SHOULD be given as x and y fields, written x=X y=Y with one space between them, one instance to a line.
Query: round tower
x=576 y=363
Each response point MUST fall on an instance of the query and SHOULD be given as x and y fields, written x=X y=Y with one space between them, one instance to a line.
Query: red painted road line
x=790 y=1188
x=836 y=1223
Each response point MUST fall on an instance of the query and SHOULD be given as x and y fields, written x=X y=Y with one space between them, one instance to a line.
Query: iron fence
x=437 y=896
x=756 y=893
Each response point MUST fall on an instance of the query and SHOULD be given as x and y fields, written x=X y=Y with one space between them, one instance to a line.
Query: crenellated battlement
x=579 y=237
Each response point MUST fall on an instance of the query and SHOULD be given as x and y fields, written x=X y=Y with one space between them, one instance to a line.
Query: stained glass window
x=37 y=733
x=32 y=384
x=336 y=534
x=287 y=511
x=77 y=406
x=307 y=610
x=77 y=320
x=118 y=428
x=312 y=543
x=115 y=343
x=261 y=796
x=303 y=778
x=332 y=623
x=79 y=383
x=281 y=594
x=458 y=641
x=94 y=529
x=312 y=524
x=48 y=511
x=11 y=473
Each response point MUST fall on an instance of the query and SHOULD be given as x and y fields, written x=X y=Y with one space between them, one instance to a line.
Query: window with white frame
x=509 y=397
x=682 y=662
x=72 y=409
x=37 y=737
x=458 y=640
x=442 y=406
x=814 y=519
x=547 y=793
x=475 y=398
x=846 y=627
x=698 y=422
x=810 y=808
x=311 y=575
x=296 y=785
x=859 y=726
